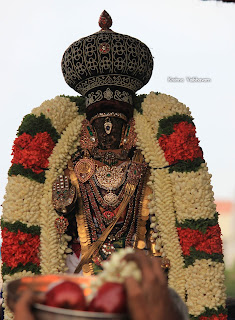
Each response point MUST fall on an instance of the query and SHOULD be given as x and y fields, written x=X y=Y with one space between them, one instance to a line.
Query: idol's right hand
x=63 y=194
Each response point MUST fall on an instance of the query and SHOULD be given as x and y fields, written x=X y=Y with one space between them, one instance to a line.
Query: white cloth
x=72 y=261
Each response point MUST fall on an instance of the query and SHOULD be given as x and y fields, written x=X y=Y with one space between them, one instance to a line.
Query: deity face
x=109 y=140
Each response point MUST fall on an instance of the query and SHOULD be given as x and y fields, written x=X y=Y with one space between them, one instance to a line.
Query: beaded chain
x=137 y=210
x=88 y=215
x=102 y=190
x=97 y=221
x=100 y=199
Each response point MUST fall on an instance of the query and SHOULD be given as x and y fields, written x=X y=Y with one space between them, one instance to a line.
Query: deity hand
x=63 y=195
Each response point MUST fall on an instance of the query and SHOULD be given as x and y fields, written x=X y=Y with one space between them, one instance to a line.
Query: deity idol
x=125 y=171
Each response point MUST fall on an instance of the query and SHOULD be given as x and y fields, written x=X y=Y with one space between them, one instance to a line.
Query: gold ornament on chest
x=84 y=169
x=111 y=199
x=111 y=178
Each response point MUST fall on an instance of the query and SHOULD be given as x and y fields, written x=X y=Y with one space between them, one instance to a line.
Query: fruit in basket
x=110 y=298
x=67 y=295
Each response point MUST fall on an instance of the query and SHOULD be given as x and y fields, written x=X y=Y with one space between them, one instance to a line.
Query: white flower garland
x=168 y=192
x=61 y=111
x=22 y=200
x=23 y=196
x=205 y=286
x=52 y=251
x=193 y=195
x=165 y=216
x=162 y=202
x=155 y=107
x=8 y=315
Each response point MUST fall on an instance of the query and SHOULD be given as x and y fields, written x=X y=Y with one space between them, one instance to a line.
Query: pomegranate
x=67 y=295
x=110 y=298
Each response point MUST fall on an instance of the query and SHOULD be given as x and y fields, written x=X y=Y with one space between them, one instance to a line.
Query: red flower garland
x=210 y=242
x=215 y=317
x=182 y=144
x=33 y=152
x=19 y=247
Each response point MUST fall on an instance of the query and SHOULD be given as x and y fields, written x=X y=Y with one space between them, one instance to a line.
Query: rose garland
x=162 y=204
x=165 y=126
x=33 y=152
x=37 y=136
x=182 y=131
x=182 y=205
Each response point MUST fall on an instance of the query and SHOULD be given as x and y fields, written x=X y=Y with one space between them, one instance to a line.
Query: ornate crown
x=107 y=65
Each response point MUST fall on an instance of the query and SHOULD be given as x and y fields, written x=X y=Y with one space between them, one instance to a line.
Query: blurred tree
x=230 y=281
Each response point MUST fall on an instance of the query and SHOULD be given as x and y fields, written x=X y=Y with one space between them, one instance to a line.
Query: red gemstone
x=104 y=47
x=108 y=214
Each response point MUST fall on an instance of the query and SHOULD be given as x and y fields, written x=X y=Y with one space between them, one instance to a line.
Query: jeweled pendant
x=108 y=214
x=108 y=248
x=110 y=199
x=61 y=225
x=84 y=169
x=111 y=178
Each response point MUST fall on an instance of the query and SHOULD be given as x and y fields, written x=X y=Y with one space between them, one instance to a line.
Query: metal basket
x=43 y=312
x=39 y=284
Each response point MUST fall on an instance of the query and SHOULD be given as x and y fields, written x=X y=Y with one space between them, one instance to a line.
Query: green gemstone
x=90 y=131
x=128 y=130
x=108 y=174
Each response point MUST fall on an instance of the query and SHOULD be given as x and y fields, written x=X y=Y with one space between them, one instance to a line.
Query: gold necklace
x=111 y=178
